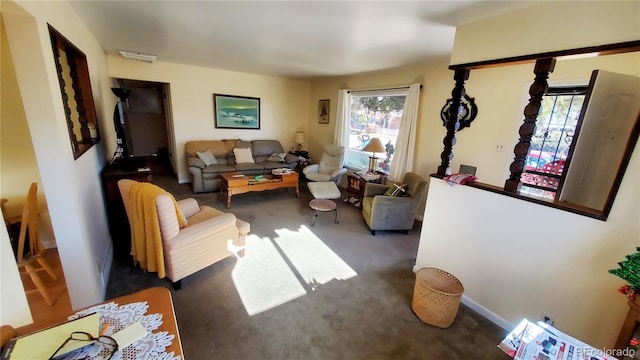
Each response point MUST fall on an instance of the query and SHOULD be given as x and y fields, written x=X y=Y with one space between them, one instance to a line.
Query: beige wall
x=283 y=102
x=552 y=25
x=437 y=83
x=13 y=309
x=72 y=187
x=518 y=259
x=18 y=167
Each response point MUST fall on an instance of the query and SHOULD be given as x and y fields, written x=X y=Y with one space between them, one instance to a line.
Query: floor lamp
x=374 y=146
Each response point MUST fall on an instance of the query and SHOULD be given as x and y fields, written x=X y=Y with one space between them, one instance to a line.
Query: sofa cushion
x=270 y=165
x=277 y=157
x=243 y=156
x=218 y=168
x=245 y=144
x=262 y=149
x=219 y=148
x=266 y=147
x=248 y=167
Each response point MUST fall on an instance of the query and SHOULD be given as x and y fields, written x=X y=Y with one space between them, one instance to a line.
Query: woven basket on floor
x=436 y=297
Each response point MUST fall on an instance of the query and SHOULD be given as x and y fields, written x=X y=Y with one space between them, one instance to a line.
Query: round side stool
x=322 y=206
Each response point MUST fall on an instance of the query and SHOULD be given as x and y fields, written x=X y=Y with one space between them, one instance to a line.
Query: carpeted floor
x=332 y=291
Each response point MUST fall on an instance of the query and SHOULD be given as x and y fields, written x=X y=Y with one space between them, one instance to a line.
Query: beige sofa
x=207 y=178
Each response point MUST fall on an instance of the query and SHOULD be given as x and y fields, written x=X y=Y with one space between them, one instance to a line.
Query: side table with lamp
x=374 y=146
x=356 y=182
x=303 y=156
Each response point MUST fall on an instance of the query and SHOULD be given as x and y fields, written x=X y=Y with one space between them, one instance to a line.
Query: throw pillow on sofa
x=243 y=155
x=207 y=158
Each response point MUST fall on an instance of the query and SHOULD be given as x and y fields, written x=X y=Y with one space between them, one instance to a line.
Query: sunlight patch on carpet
x=313 y=259
x=263 y=278
x=268 y=275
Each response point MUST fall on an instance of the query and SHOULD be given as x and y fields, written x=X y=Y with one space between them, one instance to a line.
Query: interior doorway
x=149 y=130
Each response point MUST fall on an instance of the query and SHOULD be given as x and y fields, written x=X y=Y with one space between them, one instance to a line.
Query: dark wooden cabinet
x=630 y=330
x=118 y=222
x=356 y=184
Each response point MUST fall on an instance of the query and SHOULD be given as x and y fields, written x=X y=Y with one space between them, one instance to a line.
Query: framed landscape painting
x=236 y=112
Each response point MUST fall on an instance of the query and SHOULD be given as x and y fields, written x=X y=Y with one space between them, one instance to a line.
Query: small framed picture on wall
x=323 y=111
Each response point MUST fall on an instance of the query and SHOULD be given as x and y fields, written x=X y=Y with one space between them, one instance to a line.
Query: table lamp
x=298 y=138
x=373 y=146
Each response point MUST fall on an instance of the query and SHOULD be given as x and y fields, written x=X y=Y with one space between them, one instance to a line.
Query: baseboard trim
x=106 y=269
x=486 y=313
x=483 y=311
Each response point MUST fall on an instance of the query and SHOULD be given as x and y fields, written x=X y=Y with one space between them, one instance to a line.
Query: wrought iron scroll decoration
x=467 y=112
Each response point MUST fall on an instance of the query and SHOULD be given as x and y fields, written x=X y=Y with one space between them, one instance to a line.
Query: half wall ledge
x=560 y=205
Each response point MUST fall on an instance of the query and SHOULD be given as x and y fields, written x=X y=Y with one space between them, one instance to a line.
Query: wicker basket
x=436 y=297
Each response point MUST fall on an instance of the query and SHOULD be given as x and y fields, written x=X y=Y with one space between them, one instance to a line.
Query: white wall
x=517 y=259
x=283 y=102
x=552 y=25
x=72 y=188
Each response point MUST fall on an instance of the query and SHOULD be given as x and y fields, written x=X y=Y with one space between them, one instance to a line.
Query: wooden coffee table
x=235 y=183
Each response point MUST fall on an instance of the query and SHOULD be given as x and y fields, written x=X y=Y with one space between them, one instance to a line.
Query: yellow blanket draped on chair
x=146 y=239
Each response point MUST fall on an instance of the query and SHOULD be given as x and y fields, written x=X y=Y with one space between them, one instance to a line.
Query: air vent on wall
x=130 y=55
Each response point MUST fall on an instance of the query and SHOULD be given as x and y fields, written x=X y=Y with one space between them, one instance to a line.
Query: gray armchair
x=331 y=166
x=389 y=212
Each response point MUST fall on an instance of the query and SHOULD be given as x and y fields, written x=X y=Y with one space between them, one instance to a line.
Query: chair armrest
x=373 y=189
x=380 y=200
x=313 y=168
x=290 y=159
x=389 y=212
x=188 y=207
x=338 y=172
x=195 y=162
x=203 y=229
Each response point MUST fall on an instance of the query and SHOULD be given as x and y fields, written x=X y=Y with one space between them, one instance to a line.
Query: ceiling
x=299 y=39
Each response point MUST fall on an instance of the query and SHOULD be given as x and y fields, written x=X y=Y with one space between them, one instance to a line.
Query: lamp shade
x=298 y=138
x=374 y=146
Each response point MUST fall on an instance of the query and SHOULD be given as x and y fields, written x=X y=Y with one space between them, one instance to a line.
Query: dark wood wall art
x=467 y=112
x=77 y=96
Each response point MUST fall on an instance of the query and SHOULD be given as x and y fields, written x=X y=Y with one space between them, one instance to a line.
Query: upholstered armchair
x=331 y=165
x=382 y=212
x=209 y=236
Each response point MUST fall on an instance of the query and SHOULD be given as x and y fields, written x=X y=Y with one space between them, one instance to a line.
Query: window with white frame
x=552 y=142
x=374 y=114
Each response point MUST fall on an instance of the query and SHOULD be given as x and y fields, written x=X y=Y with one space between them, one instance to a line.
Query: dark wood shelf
x=138 y=169
x=356 y=185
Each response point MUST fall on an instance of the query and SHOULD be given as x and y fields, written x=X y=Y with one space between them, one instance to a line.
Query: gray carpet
x=332 y=291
